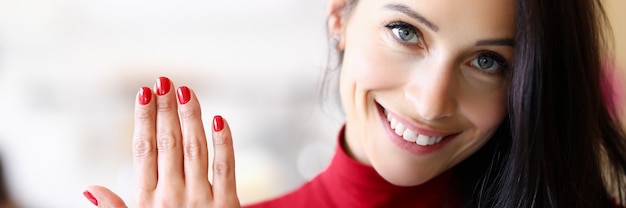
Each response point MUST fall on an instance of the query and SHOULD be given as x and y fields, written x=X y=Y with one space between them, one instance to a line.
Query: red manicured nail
x=163 y=86
x=93 y=200
x=183 y=95
x=145 y=95
x=218 y=123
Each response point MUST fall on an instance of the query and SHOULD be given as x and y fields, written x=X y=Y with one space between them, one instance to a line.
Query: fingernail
x=93 y=200
x=183 y=95
x=163 y=86
x=145 y=94
x=218 y=123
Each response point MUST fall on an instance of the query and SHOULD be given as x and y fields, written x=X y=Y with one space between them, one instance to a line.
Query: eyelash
x=503 y=65
x=403 y=25
x=406 y=26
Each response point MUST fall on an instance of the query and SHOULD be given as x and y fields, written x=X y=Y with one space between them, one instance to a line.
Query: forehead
x=488 y=17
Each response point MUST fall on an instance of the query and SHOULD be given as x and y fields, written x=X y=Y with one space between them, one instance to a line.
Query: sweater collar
x=363 y=183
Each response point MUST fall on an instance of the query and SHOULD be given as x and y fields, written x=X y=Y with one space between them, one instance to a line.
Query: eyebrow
x=498 y=42
x=417 y=16
x=412 y=13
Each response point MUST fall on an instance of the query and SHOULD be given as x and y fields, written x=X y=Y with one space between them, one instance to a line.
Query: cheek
x=485 y=110
x=370 y=66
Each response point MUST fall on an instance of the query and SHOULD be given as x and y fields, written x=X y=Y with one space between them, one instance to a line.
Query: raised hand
x=171 y=156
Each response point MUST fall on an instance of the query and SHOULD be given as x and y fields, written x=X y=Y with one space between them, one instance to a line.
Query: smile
x=410 y=135
x=414 y=138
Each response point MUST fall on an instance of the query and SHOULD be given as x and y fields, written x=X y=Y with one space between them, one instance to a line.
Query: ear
x=336 y=22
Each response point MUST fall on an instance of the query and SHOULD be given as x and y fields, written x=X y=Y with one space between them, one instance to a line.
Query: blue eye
x=489 y=62
x=404 y=32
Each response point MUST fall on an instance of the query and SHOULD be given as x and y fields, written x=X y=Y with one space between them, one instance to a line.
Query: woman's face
x=423 y=81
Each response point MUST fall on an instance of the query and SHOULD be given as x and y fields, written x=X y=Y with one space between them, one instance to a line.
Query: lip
x=417 y=129
x=412 y=147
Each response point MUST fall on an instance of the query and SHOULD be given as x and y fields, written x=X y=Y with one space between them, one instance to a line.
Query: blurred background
x=70 y=70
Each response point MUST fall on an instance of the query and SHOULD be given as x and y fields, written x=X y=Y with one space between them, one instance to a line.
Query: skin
x=171 y=157
x=433 y=83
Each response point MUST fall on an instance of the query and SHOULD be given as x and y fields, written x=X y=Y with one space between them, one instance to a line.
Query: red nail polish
x=163 y=86
x=145 y=95
x=93 y=200
x=183 y=95
x=218 y=123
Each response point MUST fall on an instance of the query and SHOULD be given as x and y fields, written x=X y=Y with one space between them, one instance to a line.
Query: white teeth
x=422 y=140
x=400 y=129
x=426 y=140
x=409 y=135
x=432 y=140
x=393 y=123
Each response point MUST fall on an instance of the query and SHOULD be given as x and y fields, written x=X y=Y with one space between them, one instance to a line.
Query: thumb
x=103 y=197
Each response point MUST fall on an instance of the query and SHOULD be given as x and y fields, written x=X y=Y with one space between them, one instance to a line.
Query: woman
x=473 y=103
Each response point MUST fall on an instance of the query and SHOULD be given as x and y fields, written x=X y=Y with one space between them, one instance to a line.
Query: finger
x=144 y=144
x=103 y=197
x=195 y=151
x=224 y=186
x=168 y=137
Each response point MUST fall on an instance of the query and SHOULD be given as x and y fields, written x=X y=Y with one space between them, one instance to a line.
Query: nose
x=432 y=90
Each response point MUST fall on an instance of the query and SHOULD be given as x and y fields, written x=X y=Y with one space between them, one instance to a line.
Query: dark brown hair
x=561 y=144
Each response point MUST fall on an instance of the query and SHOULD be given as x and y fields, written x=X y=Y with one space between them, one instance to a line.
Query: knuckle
x=164 y=203
x=220 y=140
x=194 y=202
x=143 y=114
x=169 y=198
x=141 y=200
x=142 y=147
x=164 y=105
x=165 y=141
x=192 y=150
x=222 y=168
x=190 y=113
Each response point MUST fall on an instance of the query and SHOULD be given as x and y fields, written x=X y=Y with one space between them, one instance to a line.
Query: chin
x=399 y=167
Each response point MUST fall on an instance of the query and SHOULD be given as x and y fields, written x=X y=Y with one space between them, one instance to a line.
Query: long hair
x=565 y=146
x=561 y=144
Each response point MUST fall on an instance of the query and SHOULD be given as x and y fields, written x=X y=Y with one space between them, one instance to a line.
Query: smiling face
x=423 y=82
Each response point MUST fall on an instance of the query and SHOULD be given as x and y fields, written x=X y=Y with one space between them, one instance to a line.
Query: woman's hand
x=171 y=156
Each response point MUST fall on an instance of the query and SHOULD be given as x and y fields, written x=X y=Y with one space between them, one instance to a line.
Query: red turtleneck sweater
x=348 y=183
